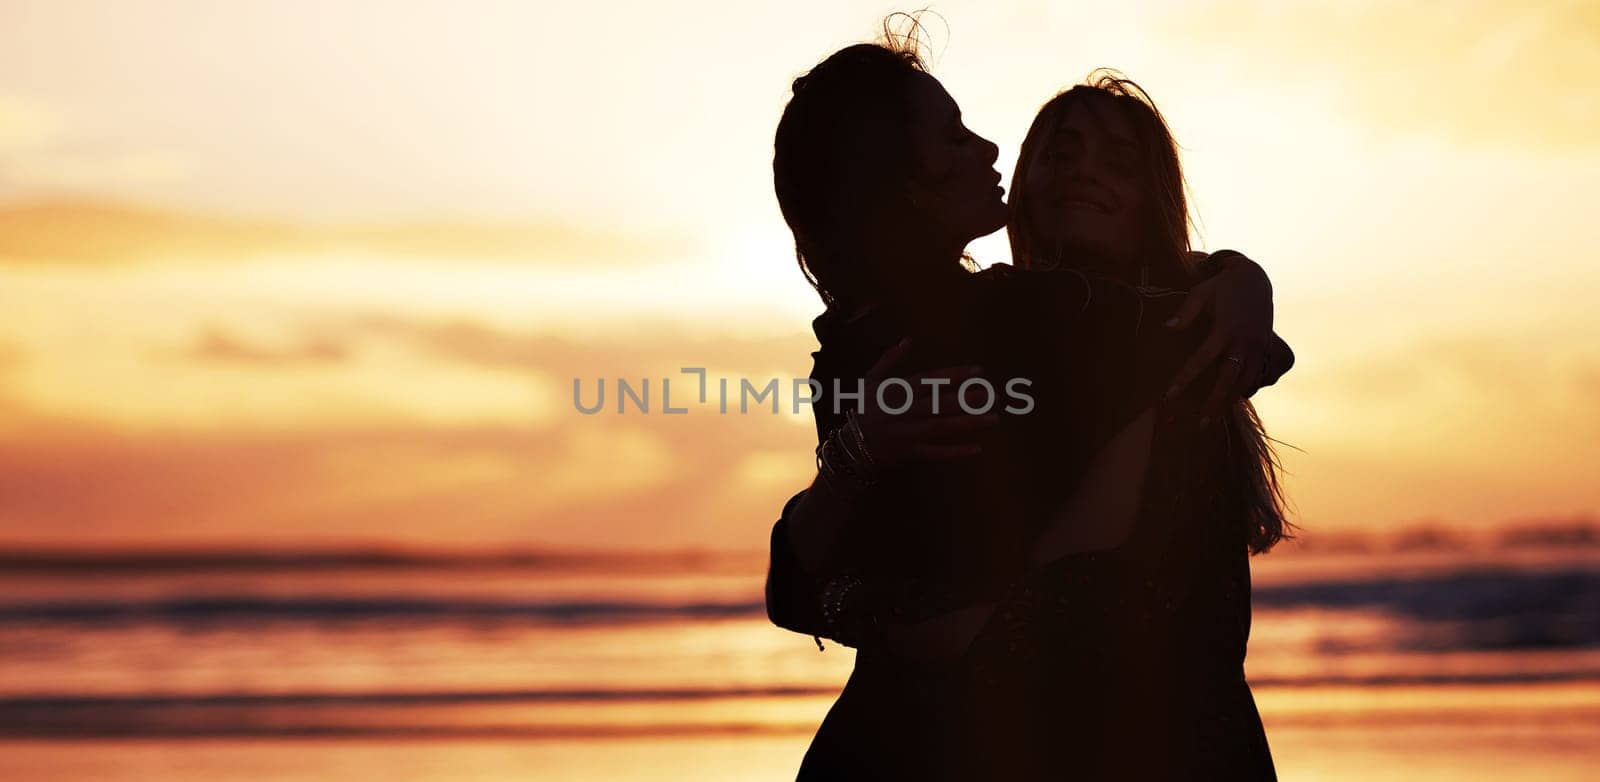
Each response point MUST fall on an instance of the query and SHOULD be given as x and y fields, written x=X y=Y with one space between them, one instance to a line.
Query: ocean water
x=1459 y=664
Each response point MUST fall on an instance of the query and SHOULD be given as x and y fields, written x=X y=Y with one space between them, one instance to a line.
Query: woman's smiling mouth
x=1087 y=197
x=1086 y=204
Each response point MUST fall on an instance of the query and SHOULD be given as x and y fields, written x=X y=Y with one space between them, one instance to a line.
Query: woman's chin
x=997 y=220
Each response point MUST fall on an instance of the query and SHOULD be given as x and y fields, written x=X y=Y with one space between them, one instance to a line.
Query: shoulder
x=996 y=271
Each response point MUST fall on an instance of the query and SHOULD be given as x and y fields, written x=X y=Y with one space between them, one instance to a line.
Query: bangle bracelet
x=852 y=425
x=838 y=610
x=846 y=471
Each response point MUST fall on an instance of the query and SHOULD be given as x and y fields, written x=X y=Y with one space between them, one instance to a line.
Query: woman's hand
x=1239 y=302
x=932 y=427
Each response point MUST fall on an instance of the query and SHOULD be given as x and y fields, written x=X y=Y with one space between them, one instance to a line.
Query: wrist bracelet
x=842 y=461
x=838 y=606
x=852 y=426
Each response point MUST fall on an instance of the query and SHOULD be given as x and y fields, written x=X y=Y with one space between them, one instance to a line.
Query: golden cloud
x=215 y=343
x=649 y=481
x=86 y=232
x=1516 y=73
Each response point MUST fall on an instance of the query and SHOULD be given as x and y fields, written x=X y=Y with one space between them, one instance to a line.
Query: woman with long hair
x=1138 y=606
x=922 y=523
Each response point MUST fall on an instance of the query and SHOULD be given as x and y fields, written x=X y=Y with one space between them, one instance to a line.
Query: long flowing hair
x=1252 y=462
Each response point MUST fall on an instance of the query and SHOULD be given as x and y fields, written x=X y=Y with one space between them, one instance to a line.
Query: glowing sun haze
x=279 y=273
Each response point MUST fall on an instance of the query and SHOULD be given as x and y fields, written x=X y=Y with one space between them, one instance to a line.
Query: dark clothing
x=1146 y=640
x=1125 y=664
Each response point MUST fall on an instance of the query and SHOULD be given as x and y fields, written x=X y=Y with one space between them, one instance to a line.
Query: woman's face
x=1084 y=186
x=955 y=184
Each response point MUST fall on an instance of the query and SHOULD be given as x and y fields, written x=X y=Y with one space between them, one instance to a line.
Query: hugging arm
x=912 y=619
x=1110 y=333
x=838 y=597
x=1234 y=297
x=1101 y=510
x=832 y=593
x=792 y=595
x=817 y=583
x=1233 y=300
x=1122 y=354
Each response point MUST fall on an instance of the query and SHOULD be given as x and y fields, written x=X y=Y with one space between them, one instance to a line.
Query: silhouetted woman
x=1139 y=602
x=920 y=524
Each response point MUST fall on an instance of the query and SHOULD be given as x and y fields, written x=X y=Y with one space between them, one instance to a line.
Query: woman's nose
x=1077 y=167
x=991 y=151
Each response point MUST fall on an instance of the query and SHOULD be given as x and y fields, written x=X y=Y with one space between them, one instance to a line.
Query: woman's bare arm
x=1101 y=512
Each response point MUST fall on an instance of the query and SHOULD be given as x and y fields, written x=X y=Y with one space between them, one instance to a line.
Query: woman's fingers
x=944 y=436
x=1227 y=387
x=1254 y=373
x=1208 y=353
x=934 y=392
x=949 y=402
x=949 y=426
x=1237 y=380
x=938 y=391
x=888 y=361
x=1198 y=301
x=922 y=418
x=943 y=451
x=956 y=375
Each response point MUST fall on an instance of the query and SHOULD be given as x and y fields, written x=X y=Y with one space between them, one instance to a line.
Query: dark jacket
x=1095 y=352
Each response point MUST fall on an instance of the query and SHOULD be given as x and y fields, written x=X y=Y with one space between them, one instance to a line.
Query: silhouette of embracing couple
x=1055 y=592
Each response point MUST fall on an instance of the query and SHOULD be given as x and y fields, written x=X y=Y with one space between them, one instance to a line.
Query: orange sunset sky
x=306 y=273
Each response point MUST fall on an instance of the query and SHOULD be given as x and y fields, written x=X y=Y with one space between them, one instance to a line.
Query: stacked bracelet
x=842 y=611
x=845 y=464
x=843 y=460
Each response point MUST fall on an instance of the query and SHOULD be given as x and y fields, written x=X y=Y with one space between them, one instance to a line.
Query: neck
x=917 y=275
x=1104 y=260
